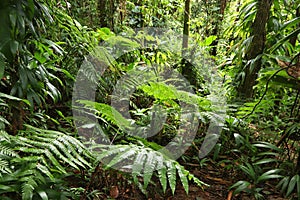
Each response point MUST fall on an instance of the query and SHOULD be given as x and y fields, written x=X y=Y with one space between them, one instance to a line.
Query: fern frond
x=28 y=187
x=144 y=162
x=107 y=112
x=4 y=167
x=58 y=147
x=163 y=91
x=6 y=151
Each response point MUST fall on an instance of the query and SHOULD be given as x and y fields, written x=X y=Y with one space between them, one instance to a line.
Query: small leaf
x=283 y=184
x=171 y=173
x=183 y=177
x=121 y=156
x=42 y=194
x=292 y=184
x=269 y=175
x=268 y=146
x=14 y=45
x=162 y=172
x=149 y=167
x=208 y=41
x=265 y=161
x=240 y=186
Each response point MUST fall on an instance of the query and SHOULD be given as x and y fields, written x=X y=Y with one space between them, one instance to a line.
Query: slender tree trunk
x=186 y=67
x=186 y=25
x=102 y=13
x=215 y=31
x=245 y=90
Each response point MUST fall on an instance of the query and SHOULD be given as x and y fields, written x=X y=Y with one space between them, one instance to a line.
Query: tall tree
x=186 y=24
x=258 y=34
x=219 y=18
x=186 y=67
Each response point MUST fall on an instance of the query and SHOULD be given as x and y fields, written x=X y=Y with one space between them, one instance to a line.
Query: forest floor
x=219 y=180
x=218 y=177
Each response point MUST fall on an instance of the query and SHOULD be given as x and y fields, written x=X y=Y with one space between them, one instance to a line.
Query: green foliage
x=144 y=162
x=288 y=185
x=34 y=160
x=257 y=168
x=43 y=44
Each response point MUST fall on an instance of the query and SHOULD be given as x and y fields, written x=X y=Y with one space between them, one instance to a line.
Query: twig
x=229 y=195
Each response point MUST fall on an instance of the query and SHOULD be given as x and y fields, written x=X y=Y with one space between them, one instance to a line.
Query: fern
x=105 y=111
x=54 y=145
x=45 y=156
x=143 y=161
x=163 y=91
x=6 y=153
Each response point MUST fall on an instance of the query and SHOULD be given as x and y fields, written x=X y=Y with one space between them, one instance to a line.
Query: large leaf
x=283 y=40
x=144 y=161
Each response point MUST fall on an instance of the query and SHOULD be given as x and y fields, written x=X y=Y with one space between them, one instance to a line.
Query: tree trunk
x=215 y=31
x=186 y=67
x=186 y=25
x=245 y=90
x=102 y=13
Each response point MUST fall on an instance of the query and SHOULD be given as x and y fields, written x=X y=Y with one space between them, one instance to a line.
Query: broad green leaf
x=209 y=40
x=42 y=194
x=45 y=171
x=269 y=175
x=283 y=184
x=268 y=146
x=281 y=41
x=108 y=112
x=55 y=46
x=249 y=170
x=9 y=97
x=240 y=186
x=298 y=185
x=265 y=161
x=14 y=45
x=111 y=151
x=291 y=23
x=54 y=161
